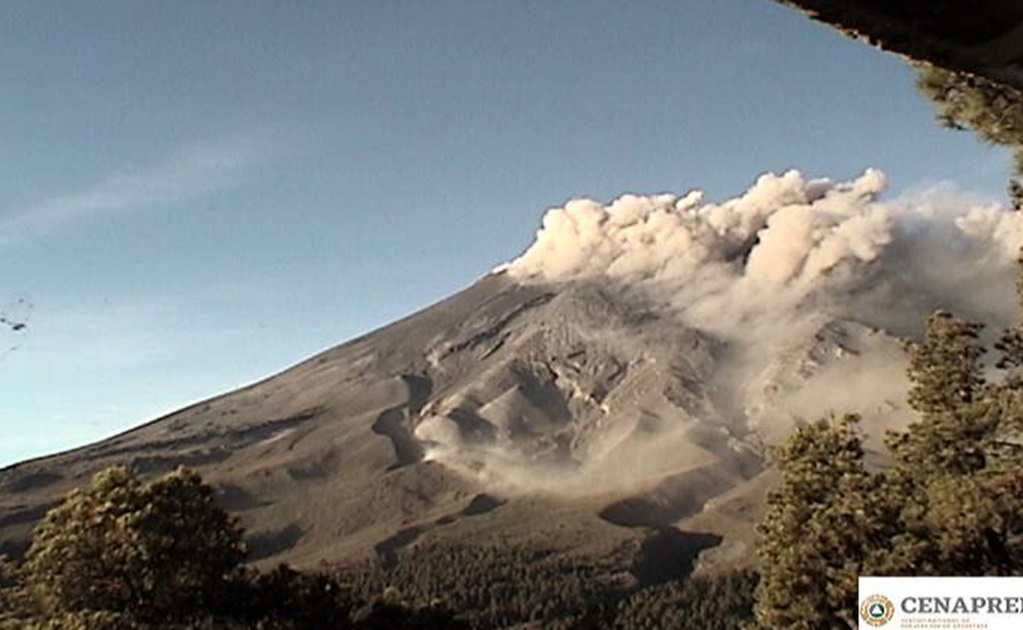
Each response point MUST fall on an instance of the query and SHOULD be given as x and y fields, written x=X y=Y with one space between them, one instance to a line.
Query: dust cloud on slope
x=797 y=292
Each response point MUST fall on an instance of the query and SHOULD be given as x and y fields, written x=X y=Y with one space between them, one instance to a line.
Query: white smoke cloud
x=785 y=241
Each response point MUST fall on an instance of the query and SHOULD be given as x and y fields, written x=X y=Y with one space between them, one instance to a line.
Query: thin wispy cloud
x=190 y=171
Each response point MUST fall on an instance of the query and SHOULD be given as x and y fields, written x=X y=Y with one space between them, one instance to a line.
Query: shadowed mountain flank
x=394 y=424
x=672 y=500
x=669 y=554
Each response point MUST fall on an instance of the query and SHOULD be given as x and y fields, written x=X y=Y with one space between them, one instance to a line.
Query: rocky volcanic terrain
x=569 y=417
x=591 y=419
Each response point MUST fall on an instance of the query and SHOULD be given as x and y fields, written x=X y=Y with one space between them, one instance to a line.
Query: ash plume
x=800 y=290
x=786 y=246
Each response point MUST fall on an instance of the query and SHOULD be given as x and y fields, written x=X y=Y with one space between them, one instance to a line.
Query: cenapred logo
x=877 y=610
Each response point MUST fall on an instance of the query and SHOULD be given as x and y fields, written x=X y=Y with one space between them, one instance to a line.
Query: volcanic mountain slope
x=572 y=414
x=597 y=411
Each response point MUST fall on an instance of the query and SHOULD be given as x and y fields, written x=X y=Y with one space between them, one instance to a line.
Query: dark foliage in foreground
x=722 y=602
x=126 y=555
x=948 y=503
x=963 y=101
x=499 y=585
x=505 y=586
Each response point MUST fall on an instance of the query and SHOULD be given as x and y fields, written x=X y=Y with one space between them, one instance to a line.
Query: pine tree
x=958 y=468
x=816 y=529
x=947 y=387
x=122 y=554
x=947 y=505
x=150 y=551
x=993 y=111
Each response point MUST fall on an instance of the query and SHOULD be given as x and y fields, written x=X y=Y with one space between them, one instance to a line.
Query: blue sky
x=198 y=194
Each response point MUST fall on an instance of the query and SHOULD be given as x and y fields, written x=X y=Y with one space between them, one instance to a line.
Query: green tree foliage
x=947 y=505
x=537 y=585
x=123 y=554
x=719 y=602
x=944 y=368
x=285 y=598
x=87 y=620
x=151 y=550
x=389 y=611
x=497 y=585
x=816 y=523
x=994 y=111
x=13 y=598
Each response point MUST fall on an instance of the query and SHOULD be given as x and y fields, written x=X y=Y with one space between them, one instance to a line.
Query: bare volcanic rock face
x=609 y=394
x=585 y=395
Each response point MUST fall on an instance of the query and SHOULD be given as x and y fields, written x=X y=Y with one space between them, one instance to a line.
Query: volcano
x=602 y=408
x=498 y=405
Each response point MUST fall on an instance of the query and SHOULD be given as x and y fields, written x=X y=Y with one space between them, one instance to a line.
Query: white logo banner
x=940 y=603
